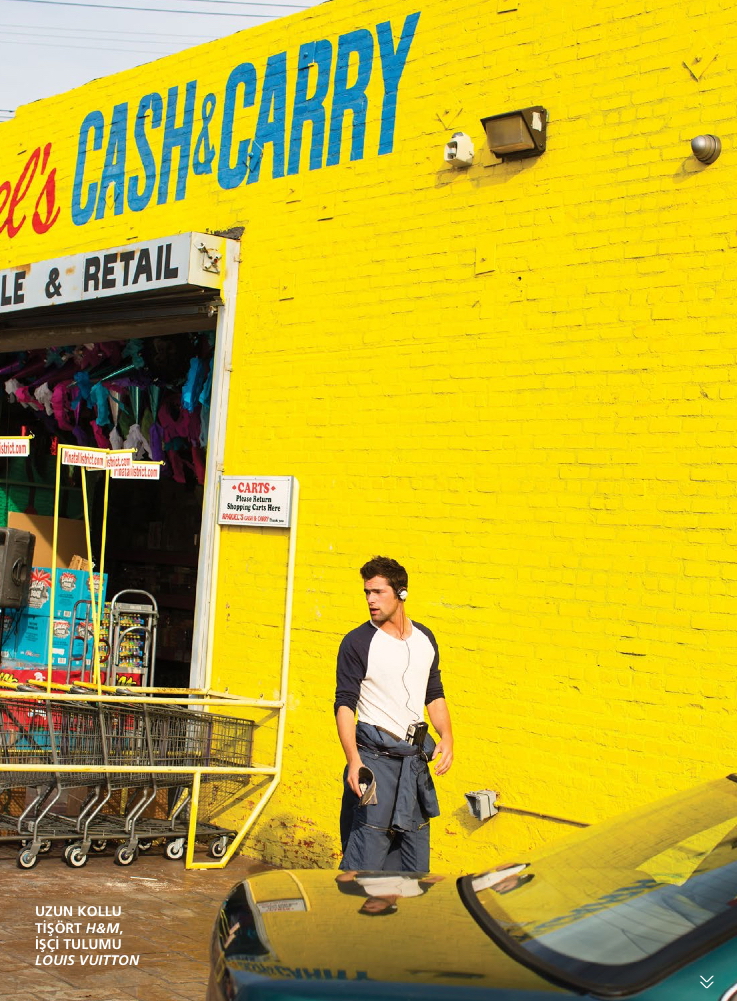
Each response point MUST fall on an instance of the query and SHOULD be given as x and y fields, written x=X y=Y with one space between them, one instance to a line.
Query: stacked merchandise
x=25 y=635
x=130 y=657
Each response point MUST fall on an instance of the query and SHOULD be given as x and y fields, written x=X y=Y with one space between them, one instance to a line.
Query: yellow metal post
x=54 y=542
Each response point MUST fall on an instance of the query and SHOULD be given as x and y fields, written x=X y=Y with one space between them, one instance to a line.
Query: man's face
x=382 y=601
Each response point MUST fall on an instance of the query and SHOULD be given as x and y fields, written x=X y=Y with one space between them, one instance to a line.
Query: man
x=387 y=673
x=381 y=891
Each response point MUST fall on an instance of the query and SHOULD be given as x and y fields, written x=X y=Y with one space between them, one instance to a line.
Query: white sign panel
x=264 y=501
x=137 y=471
x=272 y=906
x=90 y=458
x=187 y=259
x=119 y=458
x=17 y=446
x=97 y=458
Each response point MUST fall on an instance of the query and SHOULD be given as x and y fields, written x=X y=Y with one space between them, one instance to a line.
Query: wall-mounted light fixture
x=706 y=148
x=459 y=150
x=517 y=134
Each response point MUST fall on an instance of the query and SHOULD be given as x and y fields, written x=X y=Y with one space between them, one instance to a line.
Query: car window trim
x=645 y=972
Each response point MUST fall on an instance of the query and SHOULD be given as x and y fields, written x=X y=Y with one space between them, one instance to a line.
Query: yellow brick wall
x=547 y=445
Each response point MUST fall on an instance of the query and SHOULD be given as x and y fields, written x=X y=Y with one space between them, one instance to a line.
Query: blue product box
x=32 y=641
x=10 y=636
x=71 y=586
x=26 y=634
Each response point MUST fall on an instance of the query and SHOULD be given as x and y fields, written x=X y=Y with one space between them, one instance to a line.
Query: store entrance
x=151 y=393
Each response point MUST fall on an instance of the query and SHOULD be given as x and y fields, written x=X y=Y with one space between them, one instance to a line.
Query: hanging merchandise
x=94 y=394
x=135 y=437
x=151 y=395
x=204 y=400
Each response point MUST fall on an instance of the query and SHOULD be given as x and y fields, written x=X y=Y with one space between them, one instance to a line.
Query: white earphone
x=402 y=595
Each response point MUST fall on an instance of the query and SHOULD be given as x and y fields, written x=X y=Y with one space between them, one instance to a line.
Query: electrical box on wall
x=481 y=804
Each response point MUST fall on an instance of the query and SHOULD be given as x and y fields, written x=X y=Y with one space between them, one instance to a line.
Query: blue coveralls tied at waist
x=403 y=780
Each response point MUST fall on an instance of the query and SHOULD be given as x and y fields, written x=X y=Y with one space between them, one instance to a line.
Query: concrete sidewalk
x=166 y=915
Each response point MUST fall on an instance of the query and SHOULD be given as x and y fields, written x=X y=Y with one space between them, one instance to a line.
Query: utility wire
x=159 y=10
x=98 y=31
x=97 y=48
x=108 y=38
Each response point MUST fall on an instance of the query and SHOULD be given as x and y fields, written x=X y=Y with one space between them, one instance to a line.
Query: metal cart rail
x=151 y=744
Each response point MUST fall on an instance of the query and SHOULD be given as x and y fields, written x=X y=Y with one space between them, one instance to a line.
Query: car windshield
x=623 y=904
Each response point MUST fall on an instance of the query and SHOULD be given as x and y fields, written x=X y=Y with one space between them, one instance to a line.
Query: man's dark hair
x=388 y=909
x=382 y=566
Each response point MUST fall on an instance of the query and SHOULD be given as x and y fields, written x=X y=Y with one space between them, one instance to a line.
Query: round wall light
x=706 y=148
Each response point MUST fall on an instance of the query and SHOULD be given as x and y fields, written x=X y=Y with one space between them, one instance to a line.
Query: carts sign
x=260 y=501
x=187 y=259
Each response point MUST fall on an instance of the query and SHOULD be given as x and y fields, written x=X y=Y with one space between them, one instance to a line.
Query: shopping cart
x=44 y=732
x=158 y=737
x=97 y=737
x=195 y=739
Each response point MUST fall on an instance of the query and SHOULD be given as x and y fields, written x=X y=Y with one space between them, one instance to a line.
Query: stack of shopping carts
x=95 y=737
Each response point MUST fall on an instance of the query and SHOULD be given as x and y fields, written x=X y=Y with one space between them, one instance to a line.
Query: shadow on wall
x=294 y=842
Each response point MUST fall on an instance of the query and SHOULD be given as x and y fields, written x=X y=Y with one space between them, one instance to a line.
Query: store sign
x=187 y=259
x=198 y=126
x=163 y=136
x=116 y=460
x=90 y=458
x=15 y=446
x=261 y=501
x=137 y=471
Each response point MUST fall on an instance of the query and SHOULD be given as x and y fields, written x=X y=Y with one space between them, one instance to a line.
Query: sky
x=47 y=46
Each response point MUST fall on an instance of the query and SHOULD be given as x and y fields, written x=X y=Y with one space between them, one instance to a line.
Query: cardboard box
x=71 y=539
x=71 y=586
x=79 y=563
x=26 y=633
x=32 y=643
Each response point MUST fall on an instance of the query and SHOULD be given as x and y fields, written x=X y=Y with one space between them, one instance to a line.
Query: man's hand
x=437 y=710
x=443 y=751
x=352 y=776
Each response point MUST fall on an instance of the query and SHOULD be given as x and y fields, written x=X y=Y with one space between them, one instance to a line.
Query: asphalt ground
x=164 y=915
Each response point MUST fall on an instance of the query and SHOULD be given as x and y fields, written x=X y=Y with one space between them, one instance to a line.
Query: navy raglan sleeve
x=352 y=663
x=434 y=684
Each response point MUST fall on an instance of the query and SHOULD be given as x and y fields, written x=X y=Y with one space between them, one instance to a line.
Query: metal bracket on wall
x=212 y=262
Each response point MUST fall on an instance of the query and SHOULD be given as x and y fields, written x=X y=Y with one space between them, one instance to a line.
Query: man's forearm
x=439 y=715
x=346 y=724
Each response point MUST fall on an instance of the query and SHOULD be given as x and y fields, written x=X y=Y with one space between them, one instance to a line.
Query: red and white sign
x=90 y=458
x=256 y=501
x=98 y=458
x=16 y=446
x=119 y=458
x=137 y=471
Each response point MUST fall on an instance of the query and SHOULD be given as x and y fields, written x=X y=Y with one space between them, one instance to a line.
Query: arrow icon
x=707 y=981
